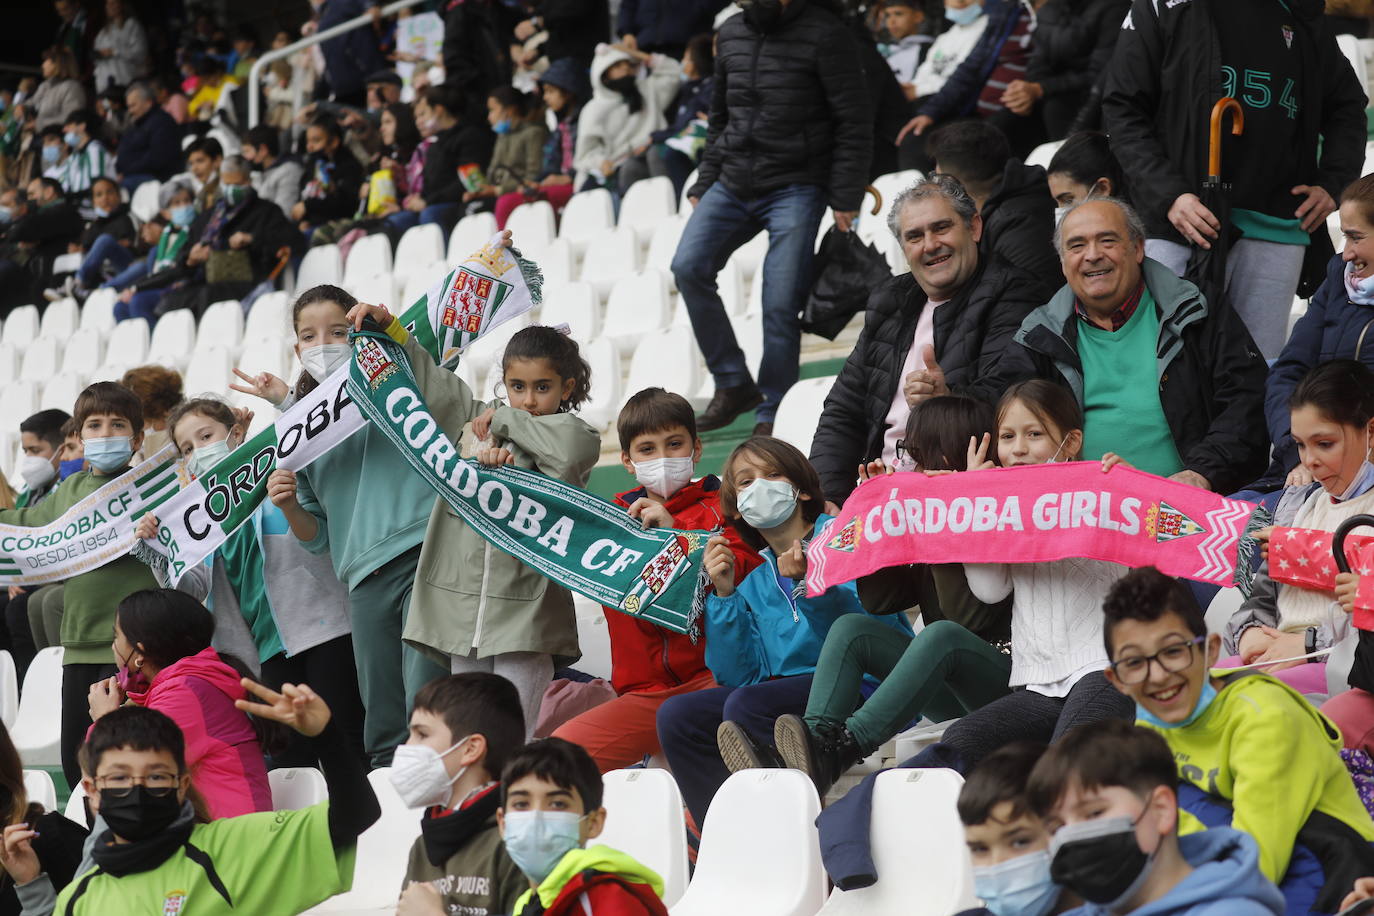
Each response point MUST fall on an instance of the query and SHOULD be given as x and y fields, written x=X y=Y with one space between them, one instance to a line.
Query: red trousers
x=556 y=194
x=622 y=731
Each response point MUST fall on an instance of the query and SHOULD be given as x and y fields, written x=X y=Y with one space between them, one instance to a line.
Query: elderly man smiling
x=1169 y=381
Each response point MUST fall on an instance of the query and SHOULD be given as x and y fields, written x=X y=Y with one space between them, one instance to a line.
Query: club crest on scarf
x=173 y=903
x=376 y=365
x=1164 y=523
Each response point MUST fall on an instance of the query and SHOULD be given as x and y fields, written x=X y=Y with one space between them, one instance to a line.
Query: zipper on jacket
x=482 y=597
x=792 y=602
x=758 y=99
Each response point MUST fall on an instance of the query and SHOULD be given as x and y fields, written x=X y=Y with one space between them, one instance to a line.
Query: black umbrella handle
x=1338 y=542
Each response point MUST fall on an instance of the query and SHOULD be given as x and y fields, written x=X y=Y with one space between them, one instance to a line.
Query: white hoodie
x=606 y=129
x=945 y=56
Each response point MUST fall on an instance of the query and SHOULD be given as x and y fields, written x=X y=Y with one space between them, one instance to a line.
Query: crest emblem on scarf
x=1165 y=523
x=374 y=363
x=173 y=902
x=467 y=302
x=1288 y=36
x=848 y=536
x=658 y=572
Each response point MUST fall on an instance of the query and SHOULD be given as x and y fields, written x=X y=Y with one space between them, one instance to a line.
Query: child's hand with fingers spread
x=872 y=469
x=650 y=513
x=264 y=385
x=1346 y=586
x=147 y=527
x=1111 y=460
x=792 y=564
x=481 y=424
x=296 y=705
x=977 y=457
x=719 y=561
x=495 y=457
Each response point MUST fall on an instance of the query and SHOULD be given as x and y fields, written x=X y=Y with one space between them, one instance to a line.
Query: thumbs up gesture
x=925 y=383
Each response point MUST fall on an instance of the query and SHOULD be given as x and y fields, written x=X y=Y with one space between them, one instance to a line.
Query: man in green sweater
x=110 y=419
x=1172 y=383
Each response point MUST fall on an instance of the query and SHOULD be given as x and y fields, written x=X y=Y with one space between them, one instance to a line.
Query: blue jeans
x=142 y=305
x=104 y=248
x=440 y=214
x=721 y=223
x=131 y=182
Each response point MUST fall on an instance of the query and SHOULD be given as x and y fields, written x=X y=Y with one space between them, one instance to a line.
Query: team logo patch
x=658 y=572
x=1165 y=523
x=848 y=537
x=374 y=362
x=1288 y=36
x=173 y=902
x=467 y=302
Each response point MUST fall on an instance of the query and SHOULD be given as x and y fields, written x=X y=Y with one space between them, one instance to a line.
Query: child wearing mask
x=659 y=446
x=166 y=263
x=331 y=179
x=626 y=108
x=564 y=88
x=966 y=20
x=519 y=150
x=40 y=439
x=450 y=149
x=903 y=20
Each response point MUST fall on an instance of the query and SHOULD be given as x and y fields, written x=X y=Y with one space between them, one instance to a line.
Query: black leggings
x=329 y=671
x=76 y=712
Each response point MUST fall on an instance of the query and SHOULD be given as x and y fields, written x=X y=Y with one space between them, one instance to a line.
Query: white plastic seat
x=76 y=806
x=613 y=255
x=933 y=858
x=21 y=327
x=128 y=342
x=588 y=217
x=369 y=256
x=85 y=350
x=420 y=247
x=18 y=400
x=487 y=350
x=1043 y=153
x=42 y=356
x=9 y=690
x=1224 y=603
x=208 y=372
x=532 y=226
x=593 y=640
x=575 y=305
x=663 y=246
x=269 y=315
x=60 y=391
x=601 y=409
x=666 y=358
x=647 y=203
x=38 y=786
x=421 y=281
x=470 y=234
x=98 y=312
x=760 y=853
x=294 y=788
x=873 y=225
x=60 y=319
x=378 y=289
x=144 y=202
x=383 y=850
x=557 y=262
x=261 y=354
x=221 y=326
x=799 y=411
x=321 y=264
x=10 y=359
x=109 y=372
x=638 y=305
x=37 y=732
x=644 y=819
x=174 y=339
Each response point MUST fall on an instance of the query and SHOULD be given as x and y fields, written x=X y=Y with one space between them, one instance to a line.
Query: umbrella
x=1207 y=266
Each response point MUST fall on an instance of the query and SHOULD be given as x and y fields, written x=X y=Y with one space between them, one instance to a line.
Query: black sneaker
x=727 y=404
x=763 y=429
x=824 y=757
x=740 y=752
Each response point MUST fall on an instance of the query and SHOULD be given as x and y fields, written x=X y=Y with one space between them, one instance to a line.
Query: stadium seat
x=603 y=406
x=663 y=246
x=649 y=368
x=683 y=204
x=17 y=401
x=754 y=304
x=759 y=850
x=38 y=786
x=615 y=255
x=42 y=356
x=209 y=372
x=420 y=247
x=269 y=316
x=37 y=732
x=378 y=289
x=749 y=335
x=933 y=858
x=471 y=233
x=587 y=218
x=486 y=350
x=557 y=262
x=83 y=352
x=383 y=850
x=262 y=354
x=575 y=305
x=1299 y=309
x=294 y=788
x=173 y=340
x=220 y=326
x=144 y=202
x=647 y=203
x=532 y=227
x=9 y=690
x=896 y=257
x=637 y=306
x=733 y=294
x=128 y=342
x=60 y=319
x=369 y=256
x=109 y=372
x=799 y=411
x=21 y=326
x=1043 y=153
x=593 y=637
x=60 y=391
x=9 y=362
x=98 y=312
x=76 y=806
x=321 y=264
x=644 y=819
x=1223 y=604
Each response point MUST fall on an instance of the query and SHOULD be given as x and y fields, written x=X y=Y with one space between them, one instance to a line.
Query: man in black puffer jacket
x=791 y=131
x=911 y=350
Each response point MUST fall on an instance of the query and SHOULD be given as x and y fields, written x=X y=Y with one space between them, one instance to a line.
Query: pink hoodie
x=222 y=751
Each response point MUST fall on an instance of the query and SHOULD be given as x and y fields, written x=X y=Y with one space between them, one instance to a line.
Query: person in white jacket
x=966 y=23
x=121 y=48
x=630 y=90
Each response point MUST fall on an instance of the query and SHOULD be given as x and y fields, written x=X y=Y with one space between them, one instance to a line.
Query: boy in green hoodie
x=551 y=807
x=110 y=419
x=1244 y=739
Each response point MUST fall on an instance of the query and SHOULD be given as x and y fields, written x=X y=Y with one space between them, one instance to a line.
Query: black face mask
x=628 y=88
x=763 y=15
x=1100 y=861
x=138 y=815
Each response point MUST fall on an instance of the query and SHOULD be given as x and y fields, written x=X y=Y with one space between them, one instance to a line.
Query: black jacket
x=474 y=62
x=1018 y=222
x=972 y=331
x=150 y=146
x=118 y=224
x=790 y=107
x=1072 y=46
x=462 y=144
x=337 y=200
x=50 y=228
x=262 y=219
x=1211 y=374
x=1166 y=75
x=960 y=92
x=666 y=25
x=353 y=56
x=575 y=27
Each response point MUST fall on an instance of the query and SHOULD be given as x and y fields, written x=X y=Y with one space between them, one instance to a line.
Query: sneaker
x=824 y=757
x=763 y=429
x=54 y=293
x=740 y=752
x=727 y=404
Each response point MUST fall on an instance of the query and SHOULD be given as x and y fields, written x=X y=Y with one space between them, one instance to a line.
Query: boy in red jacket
x=659 y=446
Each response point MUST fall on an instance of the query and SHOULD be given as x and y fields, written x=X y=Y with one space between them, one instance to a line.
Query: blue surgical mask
x=537 y=840
x=1364 y=480
x=1209 y=693
x=964 y=16
x=101 y=212
x=183 y=216
x=767 y=503
x=6 y=214
x=109 y=453
x=502 y=126
x=69 y=467
x=1018 y=887
x=207 y=456
x=71 y=139
x=51 y=153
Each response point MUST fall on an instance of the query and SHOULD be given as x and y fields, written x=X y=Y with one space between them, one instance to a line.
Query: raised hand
x=147 y=527
x=481 y=424
x=17 y=854
x=874 y=468
x=1346 y=586
x=296 y=705
x=650 y=513
x=264 y=385
x=792 y=563
x=977 y=457
x=378 y=313
x=719 y=561
x=104 y=697
x=926 y=383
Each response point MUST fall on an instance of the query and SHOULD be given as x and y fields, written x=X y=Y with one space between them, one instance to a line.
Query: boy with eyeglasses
x=1246 y=740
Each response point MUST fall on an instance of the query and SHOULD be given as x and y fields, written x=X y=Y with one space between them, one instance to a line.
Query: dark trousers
x=687 y=726
x=76 y=716
x=328 y=669
x=21 y=643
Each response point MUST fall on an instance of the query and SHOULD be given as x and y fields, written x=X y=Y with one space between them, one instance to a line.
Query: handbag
x=847 y=271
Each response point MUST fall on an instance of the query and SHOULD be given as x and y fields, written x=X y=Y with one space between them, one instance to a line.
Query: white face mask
x=1059 y=214
x=323 y=361
x=207 y=456
x=419 y=777
x=664 y=476
x=37 y=471
x=767 y=503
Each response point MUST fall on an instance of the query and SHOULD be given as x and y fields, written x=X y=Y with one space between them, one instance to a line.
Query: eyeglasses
x=120 y=785
x=1135 y=669
x=907 y=459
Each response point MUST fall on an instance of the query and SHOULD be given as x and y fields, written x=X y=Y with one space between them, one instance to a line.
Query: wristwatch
x=1309 y=643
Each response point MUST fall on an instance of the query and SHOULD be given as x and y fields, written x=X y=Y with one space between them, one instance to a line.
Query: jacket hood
x=605 y=57
x=1225 y=867
x=568 y=76
x=597 y=858
x=206 y=665
x=1238 y=687
x=1019 y=180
